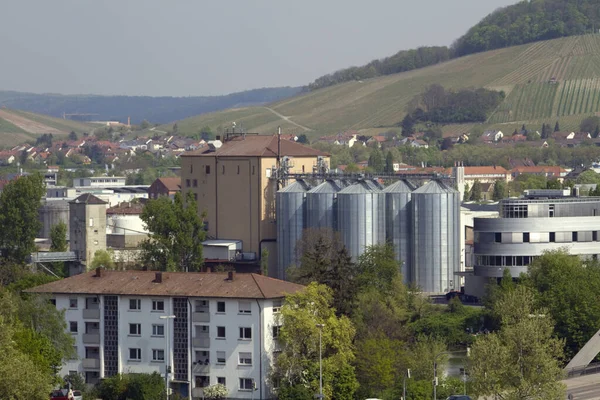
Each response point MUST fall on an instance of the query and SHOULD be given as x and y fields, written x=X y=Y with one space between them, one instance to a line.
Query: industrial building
x=234 y=182
x=208 y=328
x=422 y=224
x=541 y=220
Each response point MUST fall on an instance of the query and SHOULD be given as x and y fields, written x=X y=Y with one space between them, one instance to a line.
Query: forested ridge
x=521 y=23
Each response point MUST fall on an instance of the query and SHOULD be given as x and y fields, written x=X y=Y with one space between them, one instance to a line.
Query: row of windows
x=245 y=333
x=545 y=237
x=244 y=307
x=135 y=354
x=194 y=182
x=505 y=261
x=245 y=384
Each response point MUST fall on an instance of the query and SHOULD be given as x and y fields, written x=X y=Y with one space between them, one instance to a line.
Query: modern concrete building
x=100 y=181
x=224 y=328
x=527 y=227
x=233 y=182
x=87 y=226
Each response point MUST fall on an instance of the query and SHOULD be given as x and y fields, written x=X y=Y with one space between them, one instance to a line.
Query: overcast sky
x=210 y=47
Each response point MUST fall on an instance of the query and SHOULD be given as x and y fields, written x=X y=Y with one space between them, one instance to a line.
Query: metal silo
x=398 y=217
x=321 y=205
x=291 y=218
x=436 y=237
x=361 y=217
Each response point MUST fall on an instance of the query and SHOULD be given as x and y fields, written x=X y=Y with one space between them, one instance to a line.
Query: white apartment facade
x=223 y=331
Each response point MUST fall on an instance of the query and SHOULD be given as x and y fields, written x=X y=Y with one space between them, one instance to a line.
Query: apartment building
x=233 y=182
x=209 y=327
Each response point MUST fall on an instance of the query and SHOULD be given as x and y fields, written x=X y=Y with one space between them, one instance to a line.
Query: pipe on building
x=260 y=338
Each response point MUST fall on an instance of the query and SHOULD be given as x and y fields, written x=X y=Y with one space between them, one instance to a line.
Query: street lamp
x=320 y=326
x=168 y=366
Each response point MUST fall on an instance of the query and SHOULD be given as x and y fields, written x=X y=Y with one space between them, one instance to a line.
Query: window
x=53 y=302
x=75 y=355
x=187 y=183
x=135 y=329
x=276 y=330
x=246 y=384
x=220 y=306
x=202 y=381
x=245 y=307
x=223 y=169
x=135 y=354
x=158 y=330
x=207 y=169
x=525 y=237
x=253 y=170
x=594 y=236
x=245 y=359
x=195 y=182
x=91 y=222
x=245 y=333
x=158 y=305
x=195 y=196
x=73 y=326
x=135 y=304
x=574 y=236
x=277 y=306
x=220 y=357
x=72 y=303
x=158 y=355
x=551 y=211
x=238 y=169
x=498 y=237
x=221 y=380
x=268 y=172
x=220 y=332
x=552 y=237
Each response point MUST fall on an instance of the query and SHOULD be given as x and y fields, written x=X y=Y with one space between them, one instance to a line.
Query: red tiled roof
x=126 y=208
x=485 y=170
x=555 y=170
x=187 y=284
x=173 y=184
x=258 y=146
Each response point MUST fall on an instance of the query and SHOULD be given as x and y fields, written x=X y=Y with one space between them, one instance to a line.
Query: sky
x=211 y=47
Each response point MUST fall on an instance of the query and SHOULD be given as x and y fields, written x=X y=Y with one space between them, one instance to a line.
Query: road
x=287 y=119
x=584 y=388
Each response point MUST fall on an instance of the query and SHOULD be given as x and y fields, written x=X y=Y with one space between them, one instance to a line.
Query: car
x=61 y=394
x=459 y=397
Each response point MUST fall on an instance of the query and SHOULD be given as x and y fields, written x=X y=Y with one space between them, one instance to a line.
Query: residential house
x=7 y=157
x=207 y=328
x=349 y=138
x=549 y=172
x=164 y=187
x=491 y=136
x=484 y=174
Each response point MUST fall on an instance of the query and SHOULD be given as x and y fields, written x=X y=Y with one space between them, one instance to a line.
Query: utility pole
x=167 y=318
x=320 y=326
x=407 y=375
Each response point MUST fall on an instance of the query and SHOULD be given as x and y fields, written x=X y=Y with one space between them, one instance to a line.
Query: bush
x=215 y=392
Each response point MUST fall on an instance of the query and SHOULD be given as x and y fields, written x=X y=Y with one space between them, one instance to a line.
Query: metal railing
x=590 y=369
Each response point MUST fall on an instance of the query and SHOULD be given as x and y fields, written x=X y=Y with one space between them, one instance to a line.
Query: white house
x=221 y=327
x=491 y=136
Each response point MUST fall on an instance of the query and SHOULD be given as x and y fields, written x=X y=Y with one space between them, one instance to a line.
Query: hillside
x=20 y=126
x=139 y=108
x=522 y=72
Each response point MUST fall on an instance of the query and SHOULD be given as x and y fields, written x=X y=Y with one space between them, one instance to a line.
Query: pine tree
x=556 y=127
x=597 y=131
x=389 y=163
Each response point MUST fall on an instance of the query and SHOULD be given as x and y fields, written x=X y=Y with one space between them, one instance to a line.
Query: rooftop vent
x=98 y=272
x=213 y=145
x=158 y=277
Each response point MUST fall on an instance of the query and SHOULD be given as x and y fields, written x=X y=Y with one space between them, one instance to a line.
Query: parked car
x=62 y=394
x=459 y=397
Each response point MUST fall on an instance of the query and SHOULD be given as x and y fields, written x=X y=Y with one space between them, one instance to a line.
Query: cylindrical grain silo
x=291 y=221
x=398 y=216
x=321 y=205
x=436 y=237
x=51 y=212
x=361 y=217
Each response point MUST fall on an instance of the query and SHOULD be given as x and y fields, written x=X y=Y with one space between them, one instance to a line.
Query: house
x=491 y=136
x=414 y=142
x=483 y=174
x=164 y=187
x=208 y=328
x=7 y=157
x=349 y=138
x=550 y=172
x=487 y=191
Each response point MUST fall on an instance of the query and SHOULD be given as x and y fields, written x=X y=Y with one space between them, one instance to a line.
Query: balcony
x=91 y=338
x=203 y=342
x=91 y=363
x=201 y=368
x=91 y=313
x=200 y=316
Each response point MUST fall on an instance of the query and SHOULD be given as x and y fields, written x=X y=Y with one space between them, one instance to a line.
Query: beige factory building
x=233 y=183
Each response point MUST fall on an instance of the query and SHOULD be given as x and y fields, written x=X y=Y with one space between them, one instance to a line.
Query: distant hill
x=525 y=22
x=139 y=108
x=18 y=127
x=523 y=72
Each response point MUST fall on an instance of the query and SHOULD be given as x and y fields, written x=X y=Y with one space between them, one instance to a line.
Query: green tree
x=72 y=136
x=476 y=191
x=408 y=126
x=376 y=161
x=589 y=124
x=596 y=131
x=175 y=128
x=522 y=359
x=553 y=184
x=556 y=127
x=206 y=133
x=19 y=205
x=389 y=163
x=104 y=259
x=145 y=124
x=296 y=367
x=176 y=234
x=499 y=190
x=58 y=237
x=264 y=262
x=302 y=138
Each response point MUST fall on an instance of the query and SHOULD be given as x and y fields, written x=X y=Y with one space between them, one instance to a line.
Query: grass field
x=6 y=126
x=522 y=72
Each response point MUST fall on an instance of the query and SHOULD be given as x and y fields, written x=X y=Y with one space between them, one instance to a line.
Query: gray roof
x=88 y=198
x=398 y=187
x=328 y=186
x=298 y=186
x=434 y=187
x=361 y=188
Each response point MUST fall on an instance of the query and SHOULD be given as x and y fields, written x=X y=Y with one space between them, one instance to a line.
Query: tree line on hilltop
x=524 y=22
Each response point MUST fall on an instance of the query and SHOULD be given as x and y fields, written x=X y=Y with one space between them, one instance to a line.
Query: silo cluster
x=422 y=224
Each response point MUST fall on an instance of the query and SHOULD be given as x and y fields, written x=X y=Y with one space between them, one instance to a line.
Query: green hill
x=20 y=126
x=523 y=72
